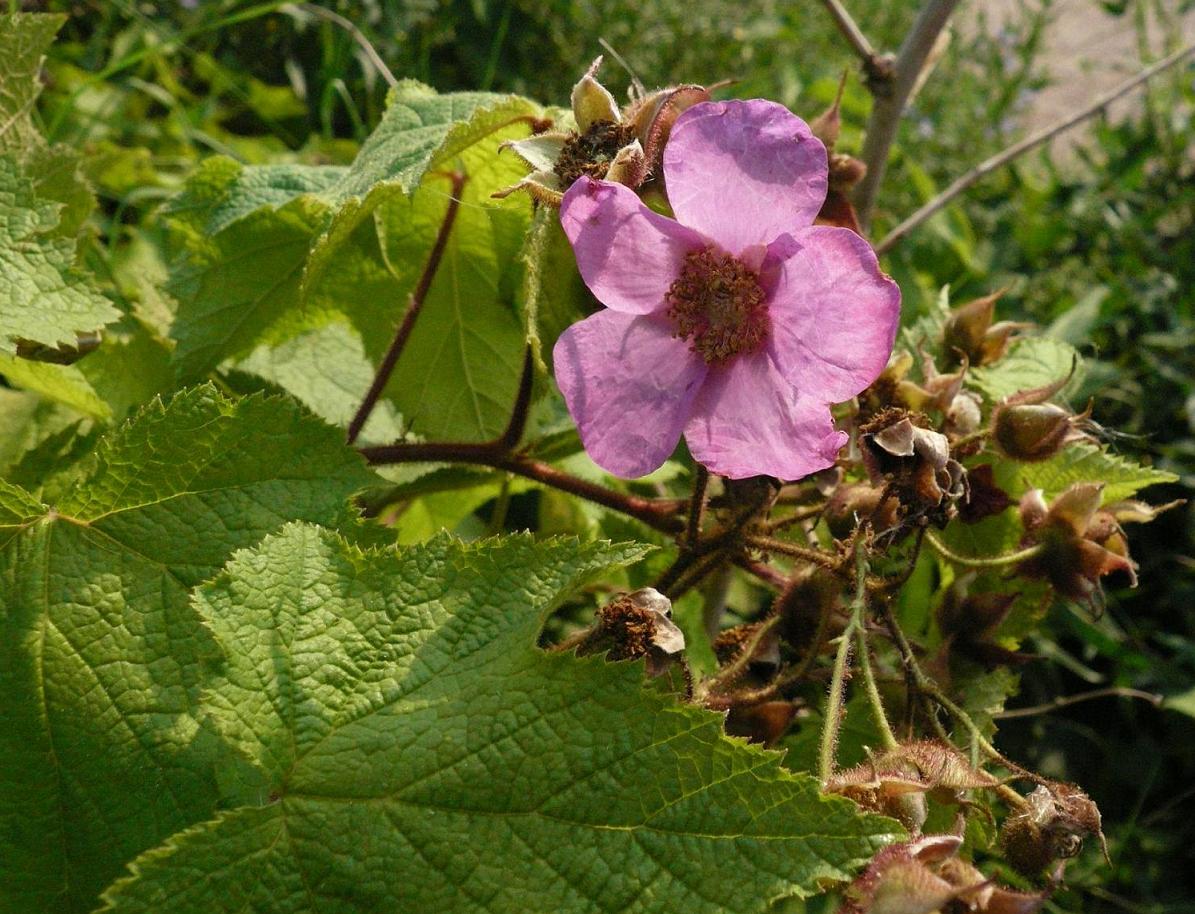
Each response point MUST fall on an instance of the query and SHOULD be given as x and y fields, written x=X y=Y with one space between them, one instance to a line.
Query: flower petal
x=628 y=255
x=834 y=314
x=744 y=173
x=748 y=421
x=629 y=385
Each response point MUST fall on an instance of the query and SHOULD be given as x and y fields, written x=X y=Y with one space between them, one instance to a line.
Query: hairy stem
x=969 y=561
x=834 y=702
x=815 y=556
x=873 y=693
x=414 y=306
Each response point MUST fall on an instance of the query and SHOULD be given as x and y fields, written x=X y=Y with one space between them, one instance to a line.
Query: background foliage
x=1098 y=245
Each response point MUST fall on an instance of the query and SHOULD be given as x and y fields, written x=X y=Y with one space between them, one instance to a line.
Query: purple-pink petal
x=834 y=314
x=748 y=421
x=629 y=385
x=744 y=172
x=627 y=254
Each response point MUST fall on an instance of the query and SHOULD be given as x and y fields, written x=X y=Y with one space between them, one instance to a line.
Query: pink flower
x=736 y=324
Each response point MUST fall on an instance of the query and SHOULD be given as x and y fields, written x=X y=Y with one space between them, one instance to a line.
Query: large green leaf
x=101 y=755
x=424 y=755
x=44 y=298
x=271 y=253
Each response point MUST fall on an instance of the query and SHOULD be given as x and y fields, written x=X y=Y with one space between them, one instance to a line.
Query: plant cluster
x=229 y=688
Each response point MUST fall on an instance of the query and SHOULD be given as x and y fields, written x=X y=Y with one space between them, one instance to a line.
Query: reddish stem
x=415 y=305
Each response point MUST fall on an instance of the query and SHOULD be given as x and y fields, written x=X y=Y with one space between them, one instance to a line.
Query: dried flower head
x=609 y=143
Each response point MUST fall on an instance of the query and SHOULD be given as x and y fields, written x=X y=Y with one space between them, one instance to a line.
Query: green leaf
x=424 y=755
x=271 y=253
x=422 y=129
x=234 y=285
x=24 y=38
x=1033 y=362
x=101 y=752
x=65 y=384
x=1085 y=462
x=328 y=371
x=45 y=299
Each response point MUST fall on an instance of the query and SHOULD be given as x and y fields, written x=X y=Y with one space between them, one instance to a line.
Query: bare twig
x=358 y=36
x=1064 y=700
x=889 y=105
x=414 y=306
x=1000 y=159
x=878 y=66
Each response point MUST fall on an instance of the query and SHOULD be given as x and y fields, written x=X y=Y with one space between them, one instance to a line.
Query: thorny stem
x=414 y=306
x=1000 y=159
x=996 y=561
x=930 y=690
x=834 y=702
x=889 y=106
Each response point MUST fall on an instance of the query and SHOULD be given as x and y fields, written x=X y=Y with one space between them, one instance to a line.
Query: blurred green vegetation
x=1097 y=244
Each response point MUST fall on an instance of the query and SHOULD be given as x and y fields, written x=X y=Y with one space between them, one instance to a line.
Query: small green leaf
x=45 y=299
x=100 y=652
x=1031 y=363
x=1085 y=462
x=425 y=755
x=24 y=38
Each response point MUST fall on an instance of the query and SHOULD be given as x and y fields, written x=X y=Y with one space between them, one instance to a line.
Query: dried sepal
x=592 y=102
x=914 y=459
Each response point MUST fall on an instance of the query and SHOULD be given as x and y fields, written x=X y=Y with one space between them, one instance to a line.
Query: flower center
x=717 y=304
x=590 y=153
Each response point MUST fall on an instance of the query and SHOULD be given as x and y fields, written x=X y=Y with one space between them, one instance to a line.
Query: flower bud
x=1032 y=432
x=970 y=330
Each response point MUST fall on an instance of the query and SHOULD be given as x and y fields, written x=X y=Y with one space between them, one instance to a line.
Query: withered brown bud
x=1050 y=826
x=968 y=623
x=762 y=723
x=855 y=502
x=984 y=497
x=733 y=641
x=896 y=782
x=811 y=594
x=1031 y=432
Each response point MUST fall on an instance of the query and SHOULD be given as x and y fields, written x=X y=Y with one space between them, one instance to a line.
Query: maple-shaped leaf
x=424 y=755
x=45 y=300
x=101 y=754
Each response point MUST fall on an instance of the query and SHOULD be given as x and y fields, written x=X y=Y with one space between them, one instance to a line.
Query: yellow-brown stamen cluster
x=718 y=305
x=590 y=153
